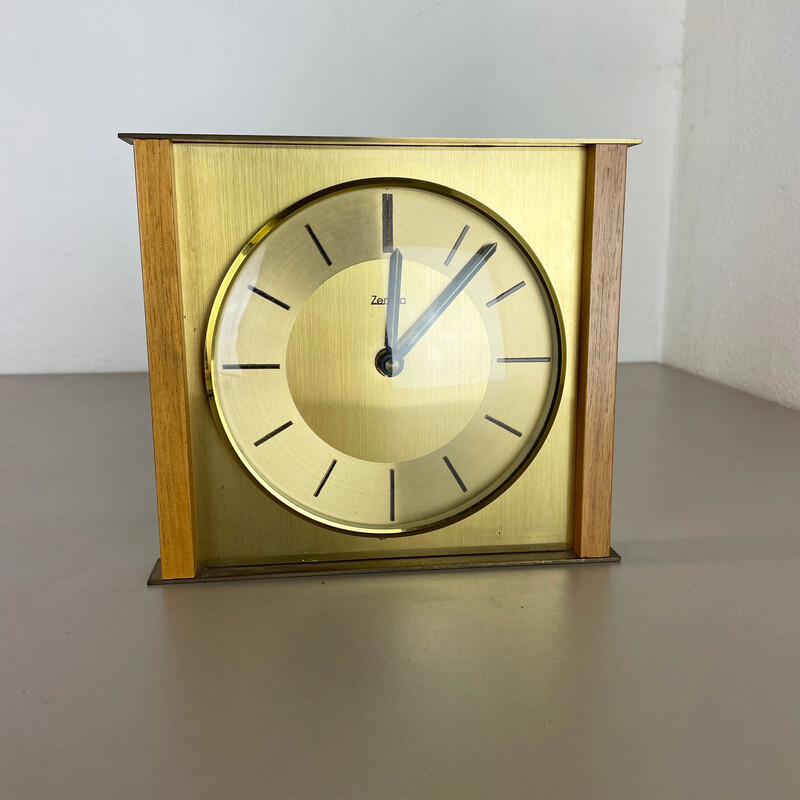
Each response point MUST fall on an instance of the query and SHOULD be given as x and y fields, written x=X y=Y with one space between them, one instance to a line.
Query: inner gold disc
x=347 y=402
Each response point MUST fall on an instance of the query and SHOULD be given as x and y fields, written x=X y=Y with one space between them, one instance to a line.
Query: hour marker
x=454 y=473
x=456 y=245
x=325 y=478
x=503 y=425
x=388 y=224
x=263 y=439
x=391 y=495
x=251 y=366
x=319 y=246
x=536 y=360
x=269 y=297
x=505 y=294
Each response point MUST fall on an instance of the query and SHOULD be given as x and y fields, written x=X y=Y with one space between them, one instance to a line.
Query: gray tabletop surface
x=675 y=674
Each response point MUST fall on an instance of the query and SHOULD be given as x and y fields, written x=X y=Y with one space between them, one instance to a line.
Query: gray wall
x=733 y=303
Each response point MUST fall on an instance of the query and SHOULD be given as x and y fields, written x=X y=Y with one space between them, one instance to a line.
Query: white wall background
x=73 y=74
x=733 y=305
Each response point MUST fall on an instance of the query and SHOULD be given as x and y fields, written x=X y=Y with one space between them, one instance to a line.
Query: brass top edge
x=361 y=141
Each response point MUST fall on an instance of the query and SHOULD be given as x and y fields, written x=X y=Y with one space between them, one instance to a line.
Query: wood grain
x=166 y=356
x=597 y=368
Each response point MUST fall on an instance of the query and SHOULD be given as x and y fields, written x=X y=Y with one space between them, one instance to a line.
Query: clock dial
x=385 y=356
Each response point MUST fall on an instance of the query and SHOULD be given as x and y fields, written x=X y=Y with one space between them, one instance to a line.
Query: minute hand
x=435 y=310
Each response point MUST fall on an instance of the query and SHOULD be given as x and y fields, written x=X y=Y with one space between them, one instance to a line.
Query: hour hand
x=393 y=299
x=435 y=310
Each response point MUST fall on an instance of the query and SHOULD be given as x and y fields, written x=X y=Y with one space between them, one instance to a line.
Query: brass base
x=360 y=566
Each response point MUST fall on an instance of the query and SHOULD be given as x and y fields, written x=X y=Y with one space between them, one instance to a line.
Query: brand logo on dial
x=382 y=301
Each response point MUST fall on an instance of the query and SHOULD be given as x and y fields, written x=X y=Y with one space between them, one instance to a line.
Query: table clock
x=380 y=354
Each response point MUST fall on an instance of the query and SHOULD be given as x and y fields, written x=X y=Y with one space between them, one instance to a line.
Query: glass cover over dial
x=385 y=356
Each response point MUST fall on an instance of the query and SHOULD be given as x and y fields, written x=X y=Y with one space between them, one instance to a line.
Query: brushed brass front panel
x=224 y=193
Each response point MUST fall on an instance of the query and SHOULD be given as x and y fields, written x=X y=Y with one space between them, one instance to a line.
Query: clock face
x=385 y=356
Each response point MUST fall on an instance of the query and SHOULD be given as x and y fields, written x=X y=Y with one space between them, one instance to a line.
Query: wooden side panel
x=167 y=357
x=597 y=370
